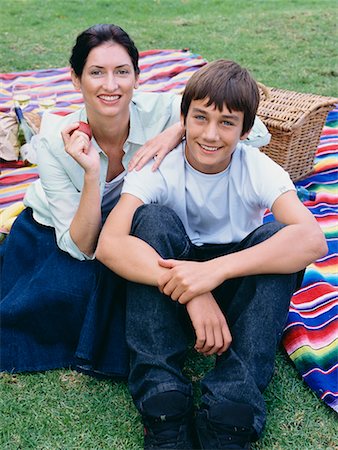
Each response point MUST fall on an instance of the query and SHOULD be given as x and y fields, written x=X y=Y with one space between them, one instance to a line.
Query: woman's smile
x=108 y=81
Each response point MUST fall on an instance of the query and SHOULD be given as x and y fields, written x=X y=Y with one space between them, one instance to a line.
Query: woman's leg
x=47 y=300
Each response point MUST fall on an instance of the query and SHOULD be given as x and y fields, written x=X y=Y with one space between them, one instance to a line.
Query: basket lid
x=288 y=109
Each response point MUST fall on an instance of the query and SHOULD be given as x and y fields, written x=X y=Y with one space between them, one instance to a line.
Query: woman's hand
x=157 y=147
x=187 y=279
x=79 y=147
x=211 y=328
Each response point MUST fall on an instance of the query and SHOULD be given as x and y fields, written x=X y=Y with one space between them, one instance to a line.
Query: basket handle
x=264 y=89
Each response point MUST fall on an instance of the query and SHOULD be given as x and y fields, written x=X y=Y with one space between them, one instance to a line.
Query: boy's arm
x=291 y=249
x=126 y=255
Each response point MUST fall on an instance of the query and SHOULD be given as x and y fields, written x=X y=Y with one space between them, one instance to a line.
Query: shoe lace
x=237 y=436
x=165 y=429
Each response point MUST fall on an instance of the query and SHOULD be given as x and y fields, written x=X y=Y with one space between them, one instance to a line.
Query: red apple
x=85 y=128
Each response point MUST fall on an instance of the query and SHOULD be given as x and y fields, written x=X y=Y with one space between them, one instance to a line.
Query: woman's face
x=108 y=80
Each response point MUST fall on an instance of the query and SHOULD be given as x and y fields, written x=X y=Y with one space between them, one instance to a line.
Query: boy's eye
x=199 y=117
x=226 y=123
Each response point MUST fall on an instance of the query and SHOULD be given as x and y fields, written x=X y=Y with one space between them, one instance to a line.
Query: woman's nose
x=110 y=83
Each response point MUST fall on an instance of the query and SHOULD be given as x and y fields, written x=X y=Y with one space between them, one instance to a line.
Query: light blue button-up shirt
x=55 y=197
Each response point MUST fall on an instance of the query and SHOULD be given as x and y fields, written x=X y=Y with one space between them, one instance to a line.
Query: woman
x=60 y=307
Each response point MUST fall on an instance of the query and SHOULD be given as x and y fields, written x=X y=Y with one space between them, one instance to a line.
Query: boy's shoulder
x=171 y=163
x=250 y=166
x=253 y=156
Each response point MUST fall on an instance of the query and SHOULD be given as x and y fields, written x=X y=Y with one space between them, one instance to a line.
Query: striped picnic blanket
x=161 y=71
x=311 y=334
x=310 y=337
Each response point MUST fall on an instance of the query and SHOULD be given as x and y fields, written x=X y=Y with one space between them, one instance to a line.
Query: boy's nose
x=211 y=132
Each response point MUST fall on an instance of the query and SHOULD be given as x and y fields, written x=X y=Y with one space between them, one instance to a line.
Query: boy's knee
x=150 y=216
x=271 y=228
x=265 y=231
x=154 y=220
x=161 y=228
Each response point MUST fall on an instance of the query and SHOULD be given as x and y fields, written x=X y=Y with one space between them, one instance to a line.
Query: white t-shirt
x=214 y=208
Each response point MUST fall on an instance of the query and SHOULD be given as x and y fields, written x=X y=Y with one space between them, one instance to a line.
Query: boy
x=212 y=261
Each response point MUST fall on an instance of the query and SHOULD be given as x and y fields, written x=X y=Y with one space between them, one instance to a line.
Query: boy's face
x=211 y=136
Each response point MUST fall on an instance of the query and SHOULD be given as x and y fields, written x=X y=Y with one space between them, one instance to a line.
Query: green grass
x=63 y=409
x=286 y=44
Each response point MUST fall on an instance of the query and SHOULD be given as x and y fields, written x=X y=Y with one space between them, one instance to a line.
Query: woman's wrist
x=92 y=176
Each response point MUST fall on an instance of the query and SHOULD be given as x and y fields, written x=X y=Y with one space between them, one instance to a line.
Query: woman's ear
x=75 y=80
x=137 y=82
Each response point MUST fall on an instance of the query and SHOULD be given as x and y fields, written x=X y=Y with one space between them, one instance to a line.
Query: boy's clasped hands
x=191 y=283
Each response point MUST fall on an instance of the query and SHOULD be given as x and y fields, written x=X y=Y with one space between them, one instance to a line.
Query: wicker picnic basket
x=295 y=121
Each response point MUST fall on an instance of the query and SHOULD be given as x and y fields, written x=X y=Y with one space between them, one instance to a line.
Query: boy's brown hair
x=223 y=82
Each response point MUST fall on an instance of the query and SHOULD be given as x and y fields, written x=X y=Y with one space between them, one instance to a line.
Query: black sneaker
x=226 y=425
x=168 y=419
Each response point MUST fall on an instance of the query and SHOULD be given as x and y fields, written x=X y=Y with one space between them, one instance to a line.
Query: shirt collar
x=136 y=131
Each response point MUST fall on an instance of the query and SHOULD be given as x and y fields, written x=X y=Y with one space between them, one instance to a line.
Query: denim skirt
x=57 y=311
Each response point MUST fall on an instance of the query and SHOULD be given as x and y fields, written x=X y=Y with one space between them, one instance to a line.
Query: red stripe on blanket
x=14 y=179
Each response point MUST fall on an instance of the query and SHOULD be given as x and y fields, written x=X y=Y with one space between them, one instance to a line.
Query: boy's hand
x=212 y=331
x=187 y=279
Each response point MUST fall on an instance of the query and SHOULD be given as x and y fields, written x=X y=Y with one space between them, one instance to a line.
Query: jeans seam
x=187 y=248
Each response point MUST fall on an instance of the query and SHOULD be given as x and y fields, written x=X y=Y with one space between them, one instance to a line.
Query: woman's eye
x=122 y=72
x=96 y=73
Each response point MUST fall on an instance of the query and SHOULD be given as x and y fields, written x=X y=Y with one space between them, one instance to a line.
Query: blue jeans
x=159 y=330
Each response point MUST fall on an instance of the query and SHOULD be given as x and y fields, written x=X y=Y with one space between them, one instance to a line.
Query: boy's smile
x=211 y=136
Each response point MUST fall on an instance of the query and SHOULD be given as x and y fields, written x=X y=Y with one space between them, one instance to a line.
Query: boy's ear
x=75 y=80
x=245 y=135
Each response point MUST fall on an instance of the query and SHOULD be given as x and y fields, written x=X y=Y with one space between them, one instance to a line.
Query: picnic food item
x=85 y=128
x=9 y=214
x=25 y=132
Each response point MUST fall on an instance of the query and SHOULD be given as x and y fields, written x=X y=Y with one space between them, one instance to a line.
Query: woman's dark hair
x=222 y=83
x=97 y=35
